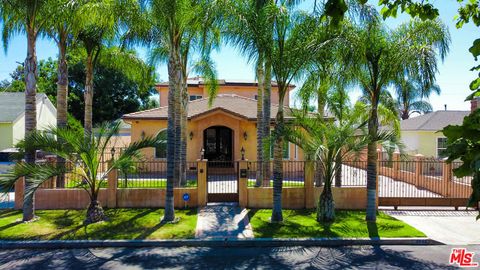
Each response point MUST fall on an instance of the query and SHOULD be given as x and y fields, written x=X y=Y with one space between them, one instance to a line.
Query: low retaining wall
x=347 y=198
x=137 y=197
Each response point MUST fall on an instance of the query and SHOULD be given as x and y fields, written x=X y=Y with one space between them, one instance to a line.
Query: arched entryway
x=218 y=143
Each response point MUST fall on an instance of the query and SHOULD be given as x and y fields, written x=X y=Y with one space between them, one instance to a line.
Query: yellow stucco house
x=12 y=117
x=221 y=130
x=421 y=134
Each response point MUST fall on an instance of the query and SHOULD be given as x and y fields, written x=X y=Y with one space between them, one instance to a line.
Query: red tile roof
x=239 y=106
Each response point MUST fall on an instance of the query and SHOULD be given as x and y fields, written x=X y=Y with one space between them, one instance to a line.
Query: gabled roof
x=12 y=105
x=197 y=81
x=433 y=121
x=239 y=106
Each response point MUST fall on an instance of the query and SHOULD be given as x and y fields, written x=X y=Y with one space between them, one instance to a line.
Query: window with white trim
x=441 y=147
x=161 y=148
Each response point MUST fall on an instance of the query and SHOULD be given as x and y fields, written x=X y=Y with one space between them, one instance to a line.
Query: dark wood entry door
x=218 y=143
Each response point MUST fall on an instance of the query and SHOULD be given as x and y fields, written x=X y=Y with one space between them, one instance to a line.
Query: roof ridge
x=149 y=110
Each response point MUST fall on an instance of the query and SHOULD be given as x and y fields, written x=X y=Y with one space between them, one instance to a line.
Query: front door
x=218 y=143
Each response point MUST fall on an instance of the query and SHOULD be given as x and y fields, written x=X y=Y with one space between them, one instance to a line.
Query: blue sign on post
x=186 y=198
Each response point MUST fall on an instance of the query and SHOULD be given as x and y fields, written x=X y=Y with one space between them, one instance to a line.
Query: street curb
x=227 y=242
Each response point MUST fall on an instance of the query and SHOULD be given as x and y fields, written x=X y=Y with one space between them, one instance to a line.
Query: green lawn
x=348 y=224
x=136 y=183
x=251 y=183
x=122 y=224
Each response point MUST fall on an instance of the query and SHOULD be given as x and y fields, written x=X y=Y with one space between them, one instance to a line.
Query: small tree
x=82 y=156
x=463 y=143
x=329 y=141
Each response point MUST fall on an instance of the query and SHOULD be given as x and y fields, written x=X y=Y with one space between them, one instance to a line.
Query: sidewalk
x=448 y=227
x=223 y=220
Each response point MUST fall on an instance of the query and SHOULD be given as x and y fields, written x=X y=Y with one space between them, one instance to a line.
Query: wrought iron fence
x=153 y=174
x=293 y=174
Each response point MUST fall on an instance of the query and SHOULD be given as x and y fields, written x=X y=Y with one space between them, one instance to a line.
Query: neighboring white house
x=421 y=134
x=12 y=117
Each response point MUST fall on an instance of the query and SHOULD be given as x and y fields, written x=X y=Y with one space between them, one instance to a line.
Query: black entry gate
x=222 y=181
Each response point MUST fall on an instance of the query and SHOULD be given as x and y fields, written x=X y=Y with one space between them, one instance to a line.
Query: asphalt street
x=350 y=257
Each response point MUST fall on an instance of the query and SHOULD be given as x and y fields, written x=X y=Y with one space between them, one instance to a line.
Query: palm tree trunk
x=175 y=84
x=266 y=117
x=30 y=115
x=405 y=114
x=278 y=164
x=338 y=171
x=319 y=179
x=183 y=126
x=260 y=129
x=326 y=206
x=372 y=165
x=62 y=95
x=88 y=95
x=94 y=212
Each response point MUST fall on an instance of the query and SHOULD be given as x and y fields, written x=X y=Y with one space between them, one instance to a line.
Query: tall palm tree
x=383 y=56
x=82 y=157
x=294 y=43
x=250 y=29
x=411 y=98
x=26 y=16
x=62 y=27
x=174 y=31
x=105 y=21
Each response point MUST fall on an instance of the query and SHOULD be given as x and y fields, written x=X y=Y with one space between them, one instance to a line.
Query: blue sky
x=453 y=78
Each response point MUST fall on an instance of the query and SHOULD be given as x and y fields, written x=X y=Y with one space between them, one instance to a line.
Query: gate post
x=242 y=183
x=447 y=177
x=112 y=182
x=19 y=192
x=308 y=185
x=418 y=168
x=202 y=182
x=396 y=165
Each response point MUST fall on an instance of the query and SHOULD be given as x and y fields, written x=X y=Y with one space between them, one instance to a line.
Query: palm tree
x=61 y=28
x=250 y=29
x=105 y=19
x=26 y=16
x=410 y=97
x=382 y=57
x=294 y=43
x=174 y=31
x=81 y=155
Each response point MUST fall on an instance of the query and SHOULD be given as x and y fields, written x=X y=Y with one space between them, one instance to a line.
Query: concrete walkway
x=223 y=220
x=448 y=227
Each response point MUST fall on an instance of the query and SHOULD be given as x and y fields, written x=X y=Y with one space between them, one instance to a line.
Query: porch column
x=202 y=182
x=242 y=183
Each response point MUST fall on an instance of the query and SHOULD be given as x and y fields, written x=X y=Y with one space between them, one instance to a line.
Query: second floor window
x=195 y=97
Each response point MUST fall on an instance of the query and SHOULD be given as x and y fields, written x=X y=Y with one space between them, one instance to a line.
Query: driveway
x=448 y=227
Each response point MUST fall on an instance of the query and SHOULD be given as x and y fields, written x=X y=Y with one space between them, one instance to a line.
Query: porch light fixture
x=112 y=151
x=142 y=135
x=191 y=135
x=245 y=135
x=243 y=153
x=202 y=154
